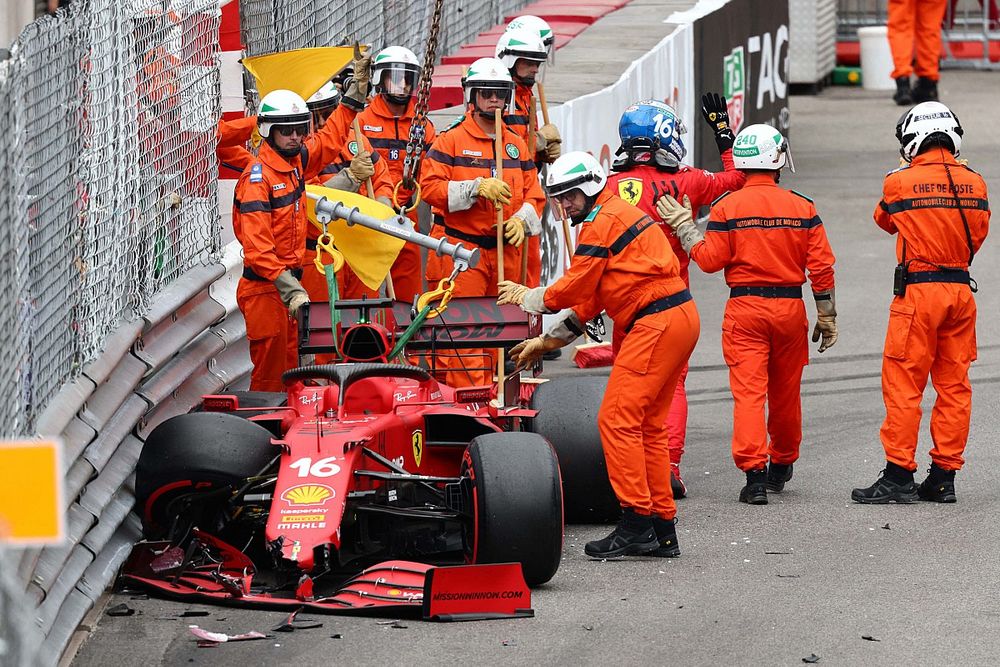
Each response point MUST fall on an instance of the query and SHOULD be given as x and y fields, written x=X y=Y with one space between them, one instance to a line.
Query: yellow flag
x=369 y=253
x=302 y=71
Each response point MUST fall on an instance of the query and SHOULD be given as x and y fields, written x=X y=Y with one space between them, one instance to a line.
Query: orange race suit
x=624 y=265
x=388 y=136
x=269 y=219
x=458 y=156
x=766 y=238
x=641 y=185
x=932 y=325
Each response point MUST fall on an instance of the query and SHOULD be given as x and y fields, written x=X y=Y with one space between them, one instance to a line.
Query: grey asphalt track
x=809 y=574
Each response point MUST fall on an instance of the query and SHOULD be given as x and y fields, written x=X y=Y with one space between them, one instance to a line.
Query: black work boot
x=894 y=485
x=633 y=536
x=777 y=475
x=755 y=492
x=939 y=487
x=903 y=96
x=924 y=91
x=666 y=535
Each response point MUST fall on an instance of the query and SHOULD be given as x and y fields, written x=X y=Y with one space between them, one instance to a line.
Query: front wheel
x=516 y=503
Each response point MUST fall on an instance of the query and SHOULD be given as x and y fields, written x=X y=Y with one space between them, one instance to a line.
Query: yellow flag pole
x=390 y=291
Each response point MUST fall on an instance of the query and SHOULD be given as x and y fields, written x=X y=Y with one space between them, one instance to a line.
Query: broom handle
x=390 y=290
x=498 y=158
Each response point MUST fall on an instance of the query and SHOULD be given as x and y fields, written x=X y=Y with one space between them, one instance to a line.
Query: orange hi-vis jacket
x=619 y=261
x=519 y=121
x=389 y=135
x=234 y=134
x=269 y=208
x=381 y=180
x=465 y=152
x=918 y=204
x=764 y=235
x=641 y=185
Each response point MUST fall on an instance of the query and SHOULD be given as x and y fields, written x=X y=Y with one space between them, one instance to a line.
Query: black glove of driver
x=713 y=108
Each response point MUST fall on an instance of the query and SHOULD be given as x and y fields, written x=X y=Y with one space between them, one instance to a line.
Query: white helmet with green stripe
x=282 y=107
x=761 y=147
x=517 y=44
x=576 y=170
x=536 y=25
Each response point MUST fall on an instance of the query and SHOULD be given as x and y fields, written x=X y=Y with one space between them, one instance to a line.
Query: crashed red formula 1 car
x=363 y=466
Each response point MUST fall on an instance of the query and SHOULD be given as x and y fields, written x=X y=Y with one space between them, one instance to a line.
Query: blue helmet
x=652 y=125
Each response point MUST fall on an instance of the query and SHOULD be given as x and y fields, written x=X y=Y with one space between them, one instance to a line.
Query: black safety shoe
x=894 y=485
x=903 y=96
x=755 y=492
x=633 y=536
x=666 y=535
x=777 y=475
x=924 y=91
x=939 y=487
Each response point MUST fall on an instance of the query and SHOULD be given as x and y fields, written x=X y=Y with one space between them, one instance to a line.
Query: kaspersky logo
x=734 y=86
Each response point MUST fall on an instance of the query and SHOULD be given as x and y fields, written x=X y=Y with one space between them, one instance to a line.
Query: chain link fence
x=279 y=25
x=109 y=192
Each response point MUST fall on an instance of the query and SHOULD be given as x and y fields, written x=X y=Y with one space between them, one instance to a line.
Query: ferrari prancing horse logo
x=418 y=446
x=630 y=189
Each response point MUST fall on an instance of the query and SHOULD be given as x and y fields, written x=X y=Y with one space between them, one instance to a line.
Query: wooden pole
x=498 y=157
x=390 y=290
x=532 y=147
x=545 y=107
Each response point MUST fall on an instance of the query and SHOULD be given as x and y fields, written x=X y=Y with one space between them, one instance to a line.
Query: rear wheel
x=516 y=503
x=189 y=466
x=567 y=417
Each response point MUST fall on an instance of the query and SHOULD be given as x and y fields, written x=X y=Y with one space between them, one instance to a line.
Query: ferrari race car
x=267 y=498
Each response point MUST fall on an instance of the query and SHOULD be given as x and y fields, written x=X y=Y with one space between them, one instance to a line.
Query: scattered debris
x=777 y=553
x=788 y=576
x=170 y=559
x=588 y=628
x=120 y=610
x=886 y=527
x=292 y=624
x=209 y=639
x=869 y=638
x=337 y=636
x=398 y=625
x=189 y=614
x=811 y=658
x=140 y=596
x=508 y=642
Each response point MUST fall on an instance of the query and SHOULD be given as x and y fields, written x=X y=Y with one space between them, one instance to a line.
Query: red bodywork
x=345 y=443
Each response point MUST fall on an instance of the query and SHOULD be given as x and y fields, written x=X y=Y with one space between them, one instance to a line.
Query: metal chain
x=415 y=142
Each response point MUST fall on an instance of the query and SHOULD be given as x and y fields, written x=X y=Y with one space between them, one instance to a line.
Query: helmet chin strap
x=401 y=100
x=283 y=152
x=588 y=206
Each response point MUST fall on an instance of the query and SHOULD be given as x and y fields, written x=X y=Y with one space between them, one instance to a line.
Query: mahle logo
x=734 y=86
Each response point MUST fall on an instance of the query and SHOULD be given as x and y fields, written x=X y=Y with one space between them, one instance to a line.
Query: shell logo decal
x=308 y=494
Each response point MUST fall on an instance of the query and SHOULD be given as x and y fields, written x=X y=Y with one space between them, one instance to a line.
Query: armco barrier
x=191 y=343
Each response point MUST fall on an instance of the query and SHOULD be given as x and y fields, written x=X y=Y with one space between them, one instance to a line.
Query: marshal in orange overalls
x=766 y=238
x=464 y=153
x=932 y=327
x=625 y=266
